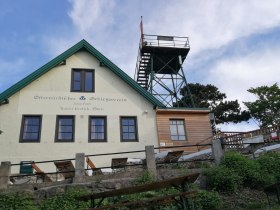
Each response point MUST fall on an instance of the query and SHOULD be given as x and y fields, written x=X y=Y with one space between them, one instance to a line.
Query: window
x=65 y=128
x=129 y=129
x=31 y=128
x=82 y=80
x=97 y=129
x=177 y=130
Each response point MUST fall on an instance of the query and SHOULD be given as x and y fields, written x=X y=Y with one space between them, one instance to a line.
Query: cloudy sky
x=235 y=44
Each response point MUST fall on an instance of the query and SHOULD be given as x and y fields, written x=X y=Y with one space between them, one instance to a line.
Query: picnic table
x=180 y=198
x=65 y=168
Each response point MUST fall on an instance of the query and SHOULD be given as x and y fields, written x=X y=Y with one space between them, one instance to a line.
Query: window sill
x=64 y=141
x=28 y=141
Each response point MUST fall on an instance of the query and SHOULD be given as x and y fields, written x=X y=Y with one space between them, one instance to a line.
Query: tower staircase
x=144 y=65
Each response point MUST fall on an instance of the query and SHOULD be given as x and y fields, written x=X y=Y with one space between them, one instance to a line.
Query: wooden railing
x=234 y=140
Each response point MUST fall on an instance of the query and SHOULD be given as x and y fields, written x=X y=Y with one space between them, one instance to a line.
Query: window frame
x=105 y=128
x=82 y=74
x=136 y=129
x=57 y=129
x=184 y=126
x=38 y=140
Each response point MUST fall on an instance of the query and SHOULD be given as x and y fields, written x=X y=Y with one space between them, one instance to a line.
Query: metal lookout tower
x=159 y=66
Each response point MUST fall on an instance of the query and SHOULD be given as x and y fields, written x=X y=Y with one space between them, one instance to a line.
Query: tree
x=209 y=96
x=266 y=109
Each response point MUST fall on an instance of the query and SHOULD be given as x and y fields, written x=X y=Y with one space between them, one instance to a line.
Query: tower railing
x=164 y=41
x=148 y=40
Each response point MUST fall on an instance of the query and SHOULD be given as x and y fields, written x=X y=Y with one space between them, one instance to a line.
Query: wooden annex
x=196 y=124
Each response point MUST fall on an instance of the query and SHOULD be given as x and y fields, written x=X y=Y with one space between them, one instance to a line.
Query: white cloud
x=234 y=75
x=209 y=24
x=89 y=16
x=212 y=24
x=103 y=25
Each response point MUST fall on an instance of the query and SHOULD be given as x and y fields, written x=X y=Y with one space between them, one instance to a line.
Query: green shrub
x=249 y=170
x=144 y=178
x=66 y=201
x=222 y=179
x=206 y=200
x=16 y=201
x=270 y=166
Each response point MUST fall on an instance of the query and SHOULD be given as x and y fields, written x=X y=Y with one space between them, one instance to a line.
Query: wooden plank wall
x=197 y=127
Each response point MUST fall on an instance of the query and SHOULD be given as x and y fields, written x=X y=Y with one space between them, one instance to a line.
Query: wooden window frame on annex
x=56 y=140
x=185 y=130
x=21 y=140
x=105 y=129
x=82 y=80
x=136 y=129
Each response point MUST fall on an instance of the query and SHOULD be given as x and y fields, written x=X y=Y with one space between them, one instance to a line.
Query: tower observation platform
x=159 y=66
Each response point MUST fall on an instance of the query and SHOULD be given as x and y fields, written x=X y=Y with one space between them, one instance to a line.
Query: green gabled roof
x=188 y=108
x=83 y=44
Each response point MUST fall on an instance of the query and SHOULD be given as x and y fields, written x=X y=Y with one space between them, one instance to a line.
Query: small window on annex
x=65 y=127
x=128 y=129
x=177 y=129
x=97 y=129
x=31 y=128
x=82 y=80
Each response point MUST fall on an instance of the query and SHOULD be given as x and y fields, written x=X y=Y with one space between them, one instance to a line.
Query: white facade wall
x=112 y=98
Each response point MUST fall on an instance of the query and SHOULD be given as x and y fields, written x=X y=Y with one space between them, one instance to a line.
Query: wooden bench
x=95 y=170
x=173 y=157
x=65 y=168
x=118 y=163
x=179 y=182
x=38 y=171
x=161 y=200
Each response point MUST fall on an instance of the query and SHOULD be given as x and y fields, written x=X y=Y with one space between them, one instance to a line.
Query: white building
x=82 y=102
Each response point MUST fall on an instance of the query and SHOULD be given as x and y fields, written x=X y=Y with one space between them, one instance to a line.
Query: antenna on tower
x=141 y=29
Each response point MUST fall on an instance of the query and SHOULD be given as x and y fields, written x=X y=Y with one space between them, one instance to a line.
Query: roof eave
x=183 y=110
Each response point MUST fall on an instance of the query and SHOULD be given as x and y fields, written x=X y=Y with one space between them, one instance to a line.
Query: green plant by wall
x=66 y=201
x=270 y=166
x=144 y=178
x=222 y=179
x=16 y=201
x=207 y=200
x=249 y=170
x=237 y=171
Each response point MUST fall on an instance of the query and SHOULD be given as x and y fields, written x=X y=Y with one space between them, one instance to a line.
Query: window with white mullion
x=177 y=130
x=129 y=129
x=82 y=80
x=65 y=127
x=31 y=128
x=97 y=129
